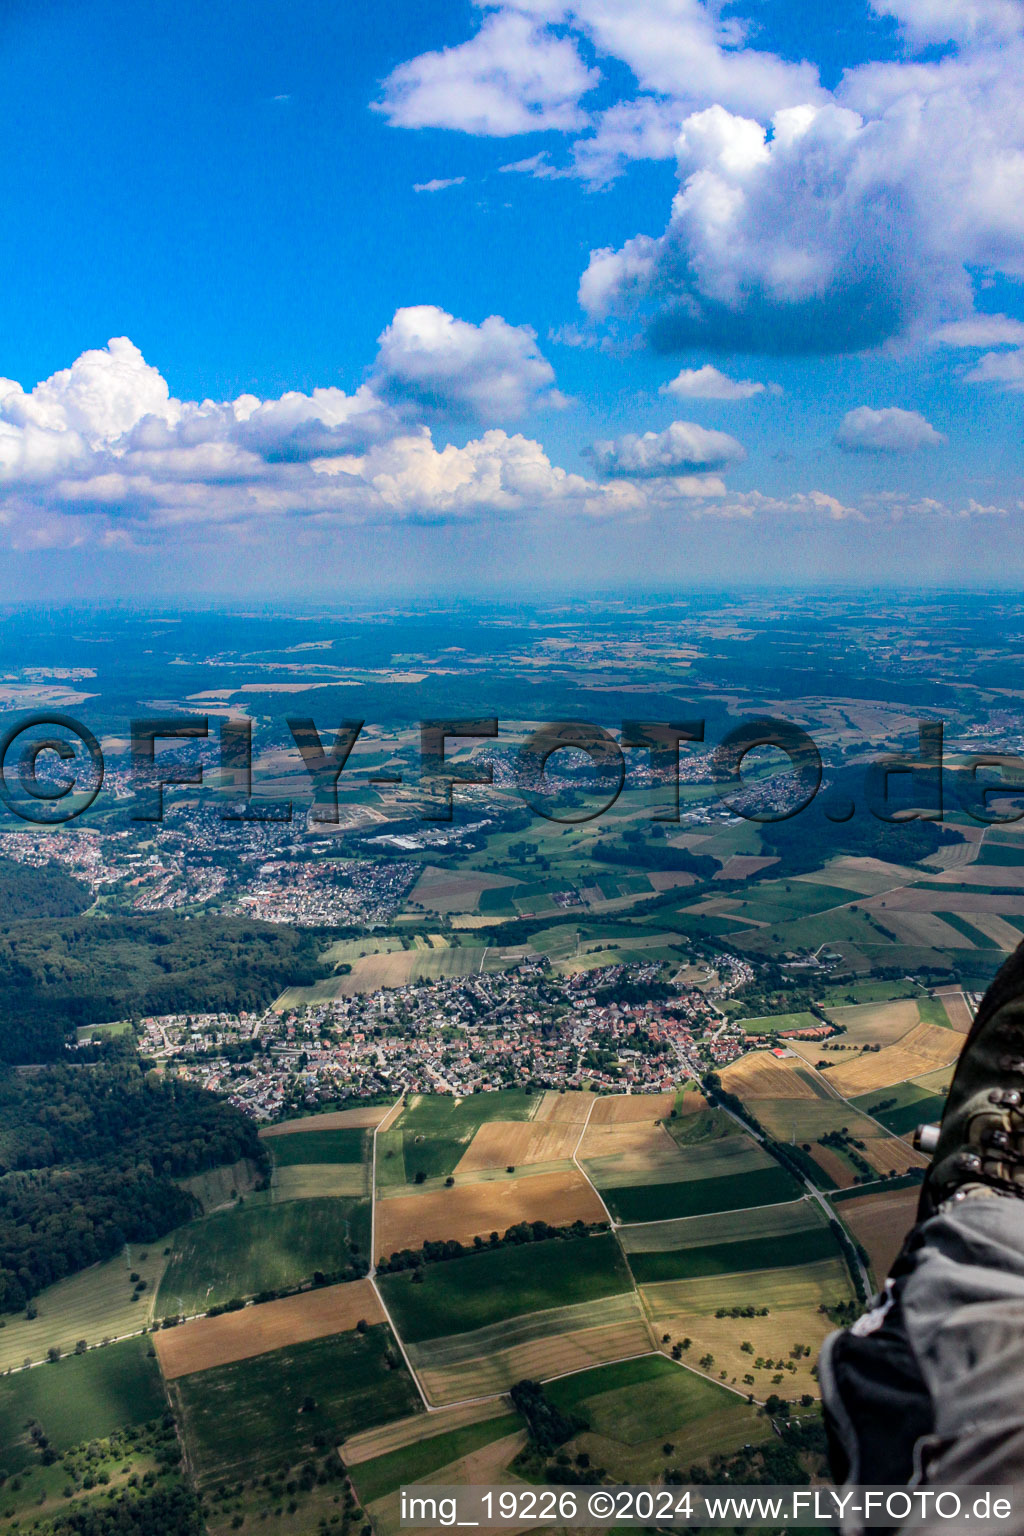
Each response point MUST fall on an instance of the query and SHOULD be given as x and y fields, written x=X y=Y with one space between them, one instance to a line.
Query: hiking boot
x=980 y=1144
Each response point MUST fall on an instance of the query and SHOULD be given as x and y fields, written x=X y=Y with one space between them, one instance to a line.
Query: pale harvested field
x=669 y=879
x=563 y=1107
x=807 y=1119
x=722 y=1227
x=805 y=1285
x=773 y=1338
x=631 y=1154
x=658 y=1160
x=890 y=1153
x=499 y=1143
x=408 y=1221
x=419 y=1426
x=621 y=1109
x=871 y=1023
x=762 y=1076
x=997 y=929
x=485 y=1467
x=881 y=1222
x=540 y=1359
x=984 y=874
x=511 y=1332
x=936 y=1082
x=93 y=1305
x=926 y=929
x=953 y=900
x=364 y=1116
x=926 y=1047
x=314 y=1181
x=211 y=1341
x=863 y=877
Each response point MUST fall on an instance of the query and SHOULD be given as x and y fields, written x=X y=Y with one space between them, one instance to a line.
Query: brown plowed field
x=408 y=1221
x=499 y=1143
x=958 y=1011
x=623 y=1108
x=211 y=1341
x=881 y=1222
x=762 y=1076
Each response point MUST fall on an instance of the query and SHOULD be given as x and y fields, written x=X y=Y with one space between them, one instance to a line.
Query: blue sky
x=450 y=297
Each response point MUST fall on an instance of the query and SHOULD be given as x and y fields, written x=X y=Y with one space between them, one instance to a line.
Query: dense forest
x=56 y=975
x=26 y=891
x=170 y=1511
x=88 y=1155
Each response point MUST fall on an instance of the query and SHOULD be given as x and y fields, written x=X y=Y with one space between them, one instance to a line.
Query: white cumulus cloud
x=684 y=448
x=980 y=331
x=887 y=431
x=1005 y=369
x=432 y=361
x=708 y=383
x=511 y=77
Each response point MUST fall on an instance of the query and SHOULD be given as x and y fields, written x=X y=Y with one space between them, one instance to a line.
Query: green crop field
x=608 y=1399
x=697 y=1197
x=434 y=1130
x=255 y=1248
x=485 y=1288
x=775 y=1252
x=236 y=1418
x=766 y=1221
x=82 y=1397
x=773 y=1022
x=302 y=1147
x=415 y=1463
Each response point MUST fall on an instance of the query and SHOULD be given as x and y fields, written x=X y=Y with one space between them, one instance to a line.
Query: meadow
x=94 y=1305
x=82 y=1397
x=254 y=1248
x=637 y=1408
x=464 y=1294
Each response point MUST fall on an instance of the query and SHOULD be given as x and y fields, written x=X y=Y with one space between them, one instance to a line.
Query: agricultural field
x=538 y=1346
x=769 y=1238
x=923 y=1049
x=880 y=1222
x=254 y=1248
x=793 y=1297
x=95 y=1305
x=484 y=1206
x=206 y=1342
x=418 y=1462
x=464 y=1294
x=240 y=1420
x=82 y=1397
x=687 y=1161
x=432 y=1133
x=320 y=1162
x=636 y=1407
